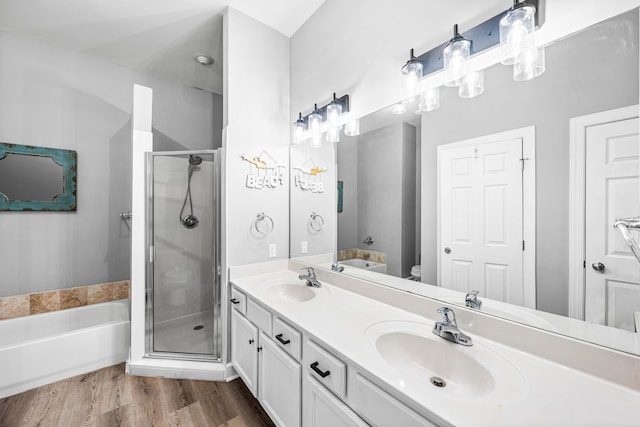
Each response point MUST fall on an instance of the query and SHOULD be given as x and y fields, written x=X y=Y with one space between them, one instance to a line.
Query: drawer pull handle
x=282 y=340
x=324 y=374
x=235 y=301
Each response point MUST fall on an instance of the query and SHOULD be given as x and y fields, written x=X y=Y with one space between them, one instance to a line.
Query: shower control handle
x=282 y=340
x=598 y=266
x=234 y=301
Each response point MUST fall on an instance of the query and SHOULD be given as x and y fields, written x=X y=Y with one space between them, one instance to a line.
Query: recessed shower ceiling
x=157 y=37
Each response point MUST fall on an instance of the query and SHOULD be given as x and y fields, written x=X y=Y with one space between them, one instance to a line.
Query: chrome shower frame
x=150 y=257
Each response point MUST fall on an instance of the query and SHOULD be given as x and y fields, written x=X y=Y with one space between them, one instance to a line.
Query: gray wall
x=382 y=202
x=56 y=98
x=592 y=71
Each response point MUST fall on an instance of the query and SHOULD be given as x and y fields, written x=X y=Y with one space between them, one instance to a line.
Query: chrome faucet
x=448 y=329
x=471 y=300
x=368 y=241
x=337 y=267
x=310 y=277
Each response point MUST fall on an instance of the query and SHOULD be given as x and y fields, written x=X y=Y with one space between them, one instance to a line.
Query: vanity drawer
x=326 y=368
x=259 y=316
x=287 y=338
x=238 y=301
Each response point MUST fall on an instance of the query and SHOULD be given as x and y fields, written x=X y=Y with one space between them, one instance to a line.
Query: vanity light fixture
x=399 y=108
x=517 y=37
x=328 y=118
x=411 y=75
x=455 y=58
x=515 y=25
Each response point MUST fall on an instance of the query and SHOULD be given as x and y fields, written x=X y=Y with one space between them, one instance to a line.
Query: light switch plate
x=272 y=250
x=304 y=247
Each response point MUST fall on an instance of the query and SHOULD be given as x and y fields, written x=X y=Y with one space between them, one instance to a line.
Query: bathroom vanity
x=355 y=353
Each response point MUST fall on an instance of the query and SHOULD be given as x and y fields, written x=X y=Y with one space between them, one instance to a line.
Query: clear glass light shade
x=298 y=133
x=334 y=111
x=516 y=32
x=316 y=140
x=352 y=128
x=429 y=100
x=411 y=75
x=471 y=85
x=455 y=61
x=530 y=65
x=315 y=120
x=333 y=134
x=399 y=108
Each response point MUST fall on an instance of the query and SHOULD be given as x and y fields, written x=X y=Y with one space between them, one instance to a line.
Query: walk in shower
x=183 y=229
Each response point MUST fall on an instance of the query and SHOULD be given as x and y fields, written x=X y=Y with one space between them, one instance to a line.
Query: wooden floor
x=108 y=397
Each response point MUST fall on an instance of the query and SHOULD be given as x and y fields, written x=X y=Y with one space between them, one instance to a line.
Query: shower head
x=194 y=160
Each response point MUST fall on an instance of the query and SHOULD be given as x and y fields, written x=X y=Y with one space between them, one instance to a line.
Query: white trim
x=528 y=136
x=577 y=173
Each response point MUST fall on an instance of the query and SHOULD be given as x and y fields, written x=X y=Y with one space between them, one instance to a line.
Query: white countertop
x=539 y=392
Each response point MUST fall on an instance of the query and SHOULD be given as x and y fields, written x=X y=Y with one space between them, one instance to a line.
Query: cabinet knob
x=260 y=349
x=251 y=341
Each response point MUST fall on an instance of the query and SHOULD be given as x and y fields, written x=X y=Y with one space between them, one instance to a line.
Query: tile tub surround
x=360 y=254
x=44 y=302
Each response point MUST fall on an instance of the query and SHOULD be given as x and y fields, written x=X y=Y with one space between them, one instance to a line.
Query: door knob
x=598 y=266
x=447 y=250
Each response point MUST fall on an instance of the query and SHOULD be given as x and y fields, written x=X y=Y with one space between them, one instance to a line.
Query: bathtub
x=367 y=265
x=44 y=348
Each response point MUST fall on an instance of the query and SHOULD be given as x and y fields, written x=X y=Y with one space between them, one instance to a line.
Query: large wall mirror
x=37 y=178
x=512 y=193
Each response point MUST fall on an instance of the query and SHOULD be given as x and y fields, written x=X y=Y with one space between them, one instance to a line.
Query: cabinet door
x=279 y=384
x=323 y=409
x=244 y=355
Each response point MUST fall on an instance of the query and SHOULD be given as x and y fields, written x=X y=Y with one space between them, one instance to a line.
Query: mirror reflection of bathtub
x=367 y=265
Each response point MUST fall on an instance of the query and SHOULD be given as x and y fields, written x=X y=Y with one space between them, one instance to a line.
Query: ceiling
x=156 y=37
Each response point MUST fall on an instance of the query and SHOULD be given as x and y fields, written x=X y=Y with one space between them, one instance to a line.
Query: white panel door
x=481 y=227
x=244 y=355
x=612 y=191
x=279 y=384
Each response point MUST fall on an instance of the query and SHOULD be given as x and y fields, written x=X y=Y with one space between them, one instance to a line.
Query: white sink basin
x=421 y=361
x=292 y=291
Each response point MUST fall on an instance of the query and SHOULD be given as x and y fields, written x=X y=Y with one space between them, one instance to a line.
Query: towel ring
x=316 y=222
x=262 y=218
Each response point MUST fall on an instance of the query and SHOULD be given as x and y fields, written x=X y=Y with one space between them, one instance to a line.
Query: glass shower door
x=183 y=293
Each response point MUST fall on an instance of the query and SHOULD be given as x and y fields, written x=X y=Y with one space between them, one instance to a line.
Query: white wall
x=52 y=97
x=256 y=96
x=358 y=46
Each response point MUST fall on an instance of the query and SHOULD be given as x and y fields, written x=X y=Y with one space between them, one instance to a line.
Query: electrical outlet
x=272 y=250
x=304 y=247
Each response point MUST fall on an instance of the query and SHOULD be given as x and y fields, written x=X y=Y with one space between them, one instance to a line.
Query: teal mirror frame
x=68 y=159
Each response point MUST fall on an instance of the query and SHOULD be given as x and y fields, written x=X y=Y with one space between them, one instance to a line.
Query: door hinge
x=523 y=245
x=523 y=160
x=584 y=264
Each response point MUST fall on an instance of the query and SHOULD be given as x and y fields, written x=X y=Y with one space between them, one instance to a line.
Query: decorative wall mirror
x=37 y=178
x=394 y=221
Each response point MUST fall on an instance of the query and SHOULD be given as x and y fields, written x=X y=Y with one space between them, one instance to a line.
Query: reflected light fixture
x=471 y=85
x=327 y=118
x=455 y=58
x=411 y=75
x=352 y=128
x=399 y=108
x=429 y=100
x=299 y=128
